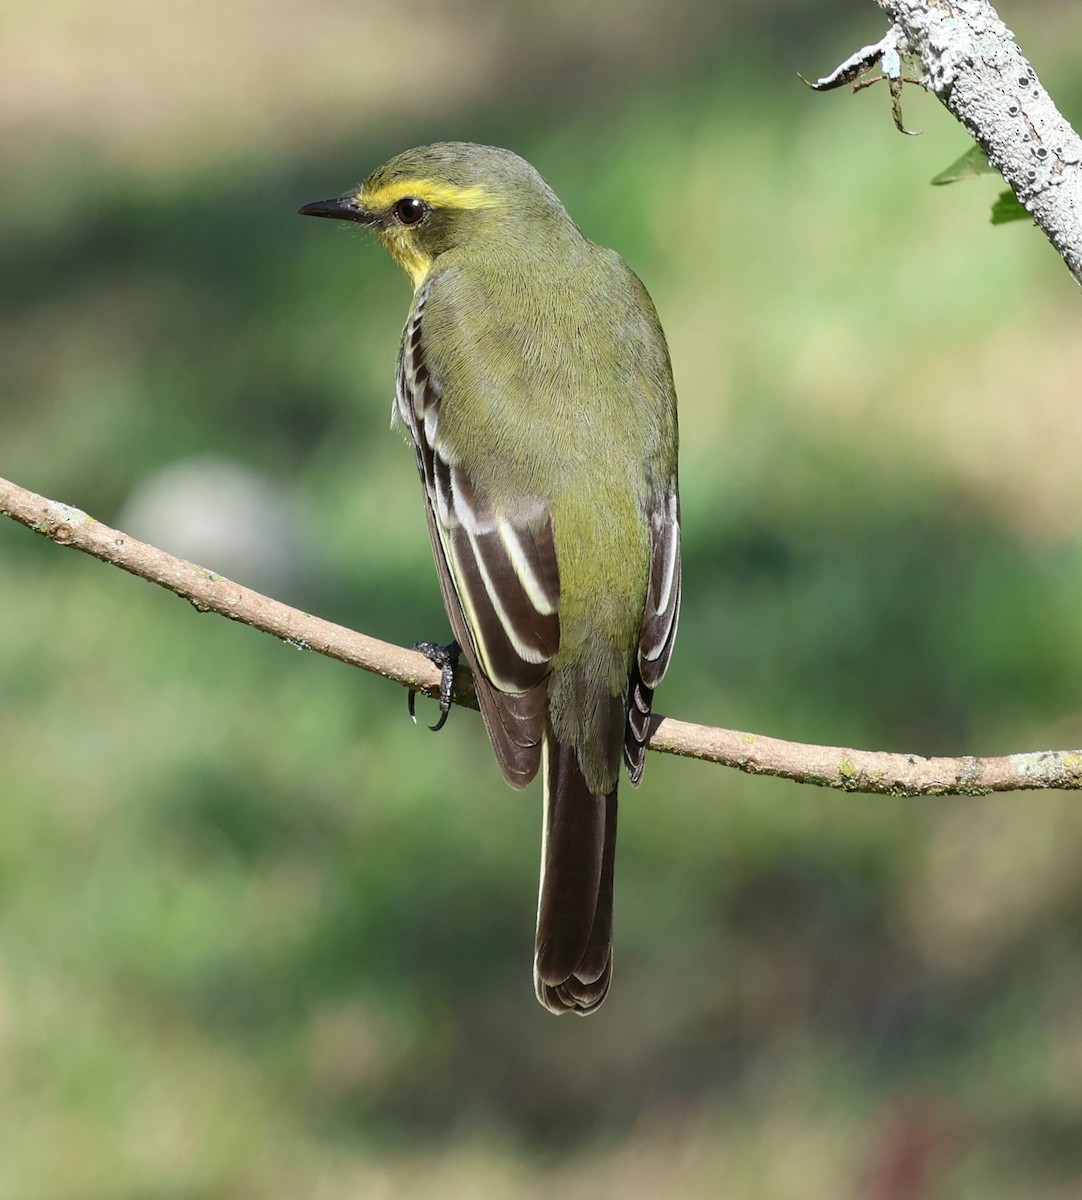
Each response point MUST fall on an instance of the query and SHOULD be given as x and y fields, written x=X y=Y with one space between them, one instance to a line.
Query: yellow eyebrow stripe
x=436 y=195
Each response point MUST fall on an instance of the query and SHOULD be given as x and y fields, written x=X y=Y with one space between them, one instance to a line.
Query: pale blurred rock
x=225 y=516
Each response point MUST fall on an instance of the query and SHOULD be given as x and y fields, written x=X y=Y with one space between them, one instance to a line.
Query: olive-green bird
x=534 y=382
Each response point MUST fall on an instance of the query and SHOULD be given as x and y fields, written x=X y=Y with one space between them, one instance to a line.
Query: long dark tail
x=573 y=956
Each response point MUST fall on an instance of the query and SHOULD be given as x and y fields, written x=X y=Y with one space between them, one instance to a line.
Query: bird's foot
x=446 y=658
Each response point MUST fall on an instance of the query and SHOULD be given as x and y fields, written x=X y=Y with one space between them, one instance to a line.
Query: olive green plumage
x=535 y=385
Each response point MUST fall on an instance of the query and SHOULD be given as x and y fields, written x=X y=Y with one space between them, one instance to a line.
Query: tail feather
x=573 y=957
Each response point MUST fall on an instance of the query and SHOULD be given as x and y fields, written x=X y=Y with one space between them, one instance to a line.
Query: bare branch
x=973 y=65
x=826 y=766
x=209 y=592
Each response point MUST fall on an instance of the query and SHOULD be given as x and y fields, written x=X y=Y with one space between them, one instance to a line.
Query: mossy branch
x=826 y=766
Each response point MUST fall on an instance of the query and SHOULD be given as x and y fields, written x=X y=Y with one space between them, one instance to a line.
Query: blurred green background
x=259 y=936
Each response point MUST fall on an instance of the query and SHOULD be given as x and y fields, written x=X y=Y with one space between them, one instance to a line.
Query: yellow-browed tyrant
x=535 y=385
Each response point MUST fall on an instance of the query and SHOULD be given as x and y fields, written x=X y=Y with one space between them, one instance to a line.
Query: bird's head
x=426 y=201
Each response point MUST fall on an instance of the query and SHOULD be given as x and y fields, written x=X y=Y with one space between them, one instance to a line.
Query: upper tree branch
x=973 y=64
x=827 y=766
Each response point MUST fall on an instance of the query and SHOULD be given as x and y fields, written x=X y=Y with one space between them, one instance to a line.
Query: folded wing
x=499 y=576
x=659 y=623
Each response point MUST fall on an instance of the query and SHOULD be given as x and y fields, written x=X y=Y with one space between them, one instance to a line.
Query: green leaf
x=1006 y=208
x=973 y=163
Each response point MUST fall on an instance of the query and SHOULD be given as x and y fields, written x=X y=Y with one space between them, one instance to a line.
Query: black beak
x=344 y=208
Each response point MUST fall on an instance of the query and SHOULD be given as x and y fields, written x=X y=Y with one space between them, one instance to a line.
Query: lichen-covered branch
x=826 y=766
x=973 y=65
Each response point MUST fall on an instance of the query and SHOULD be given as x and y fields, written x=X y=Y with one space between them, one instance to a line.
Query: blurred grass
x=261 y=937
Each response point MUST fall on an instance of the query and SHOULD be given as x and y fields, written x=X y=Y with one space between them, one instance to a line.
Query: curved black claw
x=446 y=658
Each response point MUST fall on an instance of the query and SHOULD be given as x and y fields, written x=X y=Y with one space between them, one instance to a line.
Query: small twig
x=885 y=54
x=826 y=766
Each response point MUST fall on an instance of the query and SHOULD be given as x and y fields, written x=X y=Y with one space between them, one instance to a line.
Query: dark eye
x=410 y=211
